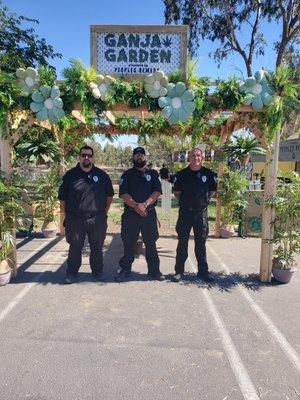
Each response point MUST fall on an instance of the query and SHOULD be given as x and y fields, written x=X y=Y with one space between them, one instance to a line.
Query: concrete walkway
x=233 y=340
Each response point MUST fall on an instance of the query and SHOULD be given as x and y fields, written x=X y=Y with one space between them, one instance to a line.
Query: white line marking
x=16 y=300
x=275 y=332
x=235 y=361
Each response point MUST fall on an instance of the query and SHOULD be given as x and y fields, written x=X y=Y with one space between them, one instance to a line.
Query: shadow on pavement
x=226 y=282
x=222 y=281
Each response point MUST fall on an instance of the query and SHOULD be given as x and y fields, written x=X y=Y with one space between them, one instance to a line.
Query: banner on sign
x=138 y=50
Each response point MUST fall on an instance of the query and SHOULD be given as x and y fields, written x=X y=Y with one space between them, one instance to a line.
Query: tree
x=160 y=147
x=240 y=147
x=224 y=21
x=20 y=46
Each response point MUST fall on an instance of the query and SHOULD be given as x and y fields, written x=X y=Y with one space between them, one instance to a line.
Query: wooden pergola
x=18 y=121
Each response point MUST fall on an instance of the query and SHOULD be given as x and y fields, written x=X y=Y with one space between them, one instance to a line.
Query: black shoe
x=69 y=279
x=99 y=276
x=157 y=277
x=177 y=278
x=205 y=277
x=122 y=275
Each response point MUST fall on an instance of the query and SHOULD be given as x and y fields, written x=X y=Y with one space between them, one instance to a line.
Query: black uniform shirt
x=194 y=187
x=139 y=184
x=85 y=192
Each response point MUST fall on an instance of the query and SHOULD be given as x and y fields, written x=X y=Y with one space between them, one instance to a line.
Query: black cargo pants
x=132 y=225
x=189 y=218
x=77 y=227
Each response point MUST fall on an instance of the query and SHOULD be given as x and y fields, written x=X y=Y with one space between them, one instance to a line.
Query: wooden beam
x=22 y=128
x=224 y=136
x=268 y=213
x=62 y=170
x=110 y=116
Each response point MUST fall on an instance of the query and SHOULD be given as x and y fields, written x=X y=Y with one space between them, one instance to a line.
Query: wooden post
x=218 y=202
x=267 y=212
x=221 y=168
x=6 y=167
x=62 y=170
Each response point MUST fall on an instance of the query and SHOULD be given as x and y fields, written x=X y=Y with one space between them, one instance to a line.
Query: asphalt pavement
x=232 y=340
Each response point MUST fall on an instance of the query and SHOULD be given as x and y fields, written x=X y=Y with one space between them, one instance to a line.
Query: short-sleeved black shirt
x=139 y=184
x=194 y=187
x=85 y=192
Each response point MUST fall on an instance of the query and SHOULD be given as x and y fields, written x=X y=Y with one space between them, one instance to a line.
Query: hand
x=141 y=209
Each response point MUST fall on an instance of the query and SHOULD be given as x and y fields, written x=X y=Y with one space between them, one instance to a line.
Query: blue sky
x=66 y=24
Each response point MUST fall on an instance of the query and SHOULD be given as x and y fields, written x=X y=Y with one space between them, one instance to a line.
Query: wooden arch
x=17 y=123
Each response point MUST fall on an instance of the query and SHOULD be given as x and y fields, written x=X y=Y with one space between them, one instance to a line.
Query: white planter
x=5 y=272
x=49 y=229
x=227 y=231
x=283 y=275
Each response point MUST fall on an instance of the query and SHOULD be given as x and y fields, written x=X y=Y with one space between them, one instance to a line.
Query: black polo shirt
x=139 y=184
x=85 y=192
x=194 y=187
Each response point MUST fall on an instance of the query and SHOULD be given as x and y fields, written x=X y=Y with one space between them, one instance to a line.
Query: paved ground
x=236 y=339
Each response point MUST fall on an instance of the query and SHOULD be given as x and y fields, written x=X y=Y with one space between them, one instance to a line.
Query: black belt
x=86 y=215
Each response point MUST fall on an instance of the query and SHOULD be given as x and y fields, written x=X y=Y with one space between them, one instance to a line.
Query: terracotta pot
x=283 y=275
x=227 y=231
x=49 y=229
x=5 y=272
x=138 y=248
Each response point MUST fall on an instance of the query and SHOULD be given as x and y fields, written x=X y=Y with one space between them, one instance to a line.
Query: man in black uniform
x=193 y=187
x=85 y=194
x=139 y=189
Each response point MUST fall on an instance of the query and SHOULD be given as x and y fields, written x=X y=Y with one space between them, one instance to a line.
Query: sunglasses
x=84 y=155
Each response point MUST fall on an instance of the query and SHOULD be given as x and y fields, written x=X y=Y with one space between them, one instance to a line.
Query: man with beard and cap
x=85 y=195
x=193 y=187
x=139 y=188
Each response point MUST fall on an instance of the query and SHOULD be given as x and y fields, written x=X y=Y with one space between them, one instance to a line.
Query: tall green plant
x=232 y=192
x=9 y=211
x=286 y=204
x=46 y=195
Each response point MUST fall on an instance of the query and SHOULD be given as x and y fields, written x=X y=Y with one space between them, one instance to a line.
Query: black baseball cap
x=138 y=150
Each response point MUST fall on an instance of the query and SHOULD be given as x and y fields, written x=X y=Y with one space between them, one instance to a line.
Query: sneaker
x=69 y=279
x=157 y=277
x=205 y=277
x=122 y=275
x=99 y=276
x=177 y=278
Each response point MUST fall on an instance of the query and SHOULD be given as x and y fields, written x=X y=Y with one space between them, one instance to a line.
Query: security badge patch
x=148 y=177
x=95 y=178
x=203 y=178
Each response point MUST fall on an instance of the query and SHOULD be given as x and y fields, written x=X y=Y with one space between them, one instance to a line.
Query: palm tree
x=240 y=148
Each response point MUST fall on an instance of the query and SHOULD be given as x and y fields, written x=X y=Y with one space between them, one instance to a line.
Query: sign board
x=253 y=215
x=138 y=50
x=289 y=150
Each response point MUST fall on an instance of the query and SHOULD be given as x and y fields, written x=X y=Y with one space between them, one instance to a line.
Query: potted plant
x=47 y=203
x=286 y=238
x=6 y=247
x=232 y=192
x=9 y=210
